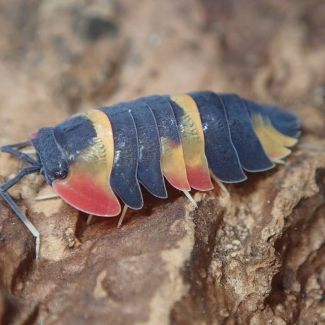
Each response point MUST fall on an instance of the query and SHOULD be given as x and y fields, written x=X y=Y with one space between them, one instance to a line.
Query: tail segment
x=241 y=135
x=276 y=130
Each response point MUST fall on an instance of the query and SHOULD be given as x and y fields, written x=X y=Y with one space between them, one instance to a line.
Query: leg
x=29 y=151
x=120 y=221
x=18 y=154
x=188 y=195
x=279 y=161
x=89 y=219
x=26 y=171
x=46 y=197
x=6 y=186
x=22 y=145
x=23 y=219
x=19 y=145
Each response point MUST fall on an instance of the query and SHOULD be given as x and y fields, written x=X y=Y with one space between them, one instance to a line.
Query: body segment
x=87 y=186
x=192 y=138
x=124 y=179
x=172 y=155
x=222 y=156
x=149 y=170
x=250 y=151
x=274 y=142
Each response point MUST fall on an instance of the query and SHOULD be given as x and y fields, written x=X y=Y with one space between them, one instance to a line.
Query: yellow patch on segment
x=104 y=132
x=104 y=146
x=173 y=165
x=192 y=138
x=280 y=137
x=273 y=142
x=87 y=186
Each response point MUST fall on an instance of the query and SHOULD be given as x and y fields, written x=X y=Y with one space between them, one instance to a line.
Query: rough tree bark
x=256 y=256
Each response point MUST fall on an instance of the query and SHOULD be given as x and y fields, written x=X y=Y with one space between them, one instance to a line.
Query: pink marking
x=199 y=178
x=85 y=195
x=178 y=183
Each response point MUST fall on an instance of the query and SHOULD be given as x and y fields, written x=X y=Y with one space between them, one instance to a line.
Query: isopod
x=93 y=161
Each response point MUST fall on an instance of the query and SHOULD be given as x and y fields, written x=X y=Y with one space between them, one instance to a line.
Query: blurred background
x=60 y=57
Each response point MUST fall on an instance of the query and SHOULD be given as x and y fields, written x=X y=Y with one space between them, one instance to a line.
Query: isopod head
x=78 y=170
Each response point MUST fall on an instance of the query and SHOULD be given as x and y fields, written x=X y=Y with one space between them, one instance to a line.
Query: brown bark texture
x=255 y=256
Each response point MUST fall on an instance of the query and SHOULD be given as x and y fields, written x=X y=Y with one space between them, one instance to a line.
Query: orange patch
x=84 y=194
x=173 y=165
x=87 y=187
x=199 y=178
x=192 y=137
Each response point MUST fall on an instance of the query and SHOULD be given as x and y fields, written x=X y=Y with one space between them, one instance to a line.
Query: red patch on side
x=178 y=183
x=85 y=195
x=199 y=178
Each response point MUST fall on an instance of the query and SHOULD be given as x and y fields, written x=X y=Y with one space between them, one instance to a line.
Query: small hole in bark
x=94 y=28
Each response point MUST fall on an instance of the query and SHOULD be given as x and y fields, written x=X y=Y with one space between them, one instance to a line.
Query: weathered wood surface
x=256 y=257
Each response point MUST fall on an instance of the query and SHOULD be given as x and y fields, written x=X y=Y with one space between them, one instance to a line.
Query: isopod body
x=95 y=160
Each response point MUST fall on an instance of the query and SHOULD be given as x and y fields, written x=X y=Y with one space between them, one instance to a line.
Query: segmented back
x=184 y=139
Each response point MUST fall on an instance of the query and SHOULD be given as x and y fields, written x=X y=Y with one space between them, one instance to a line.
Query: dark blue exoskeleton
x=237 y=136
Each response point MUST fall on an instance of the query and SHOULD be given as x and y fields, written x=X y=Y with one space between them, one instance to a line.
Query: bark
x=255 y=256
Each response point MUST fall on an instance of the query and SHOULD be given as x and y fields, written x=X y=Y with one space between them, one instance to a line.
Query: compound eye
x=60 y=174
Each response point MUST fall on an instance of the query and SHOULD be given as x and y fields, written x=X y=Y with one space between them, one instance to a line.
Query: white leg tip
x=120 y=221
x=188 y=195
